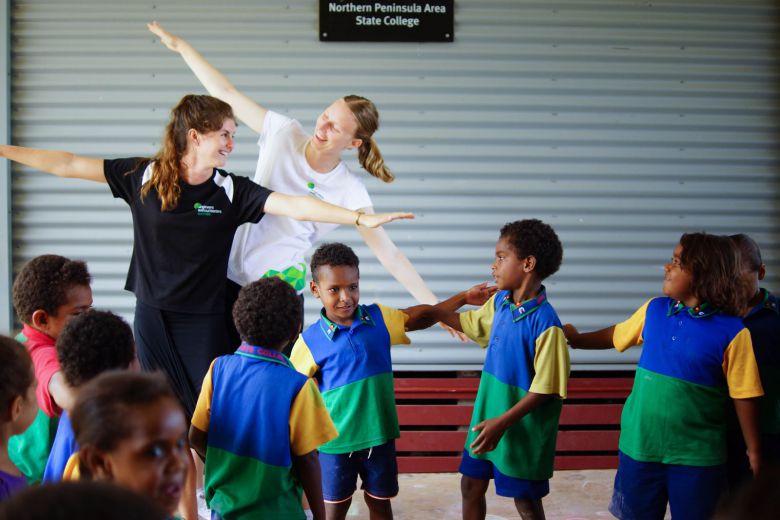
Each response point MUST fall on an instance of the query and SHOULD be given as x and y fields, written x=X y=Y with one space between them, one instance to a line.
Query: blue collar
x=329 y=328
x=768 y=301
x=264 y=354
x=702 y=311
x=525 y=308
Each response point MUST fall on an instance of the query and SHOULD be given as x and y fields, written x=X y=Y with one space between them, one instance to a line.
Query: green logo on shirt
x=206 y=211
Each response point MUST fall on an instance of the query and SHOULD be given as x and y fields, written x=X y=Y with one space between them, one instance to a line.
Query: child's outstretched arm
x=596 y=340
x=307 y=468
x=747 y=414
x=423 y=316
x=491 y=430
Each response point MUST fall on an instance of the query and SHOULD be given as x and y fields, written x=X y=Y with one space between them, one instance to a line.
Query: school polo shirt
x=355 y=374
x=692 y=360
x=526 y=352
x=763 y=322
x=258 y=413
x=180 y=257
x=29 y=451
x=62 y=449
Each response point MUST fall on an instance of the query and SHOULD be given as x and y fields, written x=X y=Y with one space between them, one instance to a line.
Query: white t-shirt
x=276 y=245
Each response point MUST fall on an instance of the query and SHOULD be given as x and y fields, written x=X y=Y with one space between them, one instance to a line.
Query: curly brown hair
x=92 y=343
x=267 y=313
x=532 y=237
x=43 y=283
x=714 y=266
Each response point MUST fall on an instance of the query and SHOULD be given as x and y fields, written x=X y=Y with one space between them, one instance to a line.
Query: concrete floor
x=574 y=495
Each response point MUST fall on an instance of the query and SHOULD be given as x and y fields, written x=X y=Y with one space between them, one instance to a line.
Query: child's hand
x=169 y=40
x=454 y=333
x=480 y=293
x=570 y=331
x=491 y=431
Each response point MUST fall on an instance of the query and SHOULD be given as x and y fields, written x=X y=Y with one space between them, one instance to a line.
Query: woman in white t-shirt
x=294 y=162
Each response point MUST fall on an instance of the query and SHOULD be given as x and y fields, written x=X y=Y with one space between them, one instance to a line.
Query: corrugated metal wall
x=621 y=123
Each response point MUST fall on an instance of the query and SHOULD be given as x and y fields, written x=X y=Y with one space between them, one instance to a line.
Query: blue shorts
x=642 y=490
x=376 y=466
x=506 y=486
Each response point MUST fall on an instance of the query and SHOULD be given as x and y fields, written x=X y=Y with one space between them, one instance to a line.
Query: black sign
x=386 y=20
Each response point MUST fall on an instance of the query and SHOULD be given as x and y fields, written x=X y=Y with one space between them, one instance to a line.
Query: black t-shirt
x=180 y=256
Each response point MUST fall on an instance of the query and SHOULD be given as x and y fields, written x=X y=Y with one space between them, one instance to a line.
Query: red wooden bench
x=433 y=434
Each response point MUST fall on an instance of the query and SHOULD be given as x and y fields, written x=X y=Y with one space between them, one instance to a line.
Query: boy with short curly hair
x=258 y=422
x=348 y=351
x=90 y=344
x=47 y=293
x=515 y=420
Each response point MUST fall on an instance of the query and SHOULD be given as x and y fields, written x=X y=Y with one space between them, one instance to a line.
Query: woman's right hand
x=169 y=40
x=374 y=220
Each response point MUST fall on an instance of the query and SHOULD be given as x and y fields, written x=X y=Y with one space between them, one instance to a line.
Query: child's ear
x=314 y=289
x=14 y=409
x=761 y=272
x=97 y=462
x=40 y=319
x=529 y=264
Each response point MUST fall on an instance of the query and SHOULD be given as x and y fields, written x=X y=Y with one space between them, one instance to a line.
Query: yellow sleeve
x=551 y=363
x=741 y=369
x=629 y=333
x=476 y=324
x=202 y=413
x=72 y=468
x=302 y=359
x=310 y=423
x=395 y=321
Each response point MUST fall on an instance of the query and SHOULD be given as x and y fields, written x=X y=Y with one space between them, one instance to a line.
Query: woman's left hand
x=375 y=220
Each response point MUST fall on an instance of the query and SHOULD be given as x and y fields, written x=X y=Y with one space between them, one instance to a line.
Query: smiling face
x=335 y=129
x=677 y=281
x=213 y=148
x=152 y=460
x=338 y=287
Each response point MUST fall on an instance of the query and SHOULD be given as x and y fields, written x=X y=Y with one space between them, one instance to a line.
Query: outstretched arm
x=397 y=264
x=61 y=164
x=249 y=112
x=309 y=208
x=596 y=340
x=423 y=316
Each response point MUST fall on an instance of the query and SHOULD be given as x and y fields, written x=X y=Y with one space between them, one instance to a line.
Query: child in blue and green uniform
x=696 y=354
x=47 y=293
x=762 y=319
x=258 y=422
x=515 y=421
x=348 y=351
x=89 y=344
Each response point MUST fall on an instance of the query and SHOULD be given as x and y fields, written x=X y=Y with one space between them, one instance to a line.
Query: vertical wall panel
x=621 y=123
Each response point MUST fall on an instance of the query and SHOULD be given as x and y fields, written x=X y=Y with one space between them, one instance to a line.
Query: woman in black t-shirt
x=185 y=211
